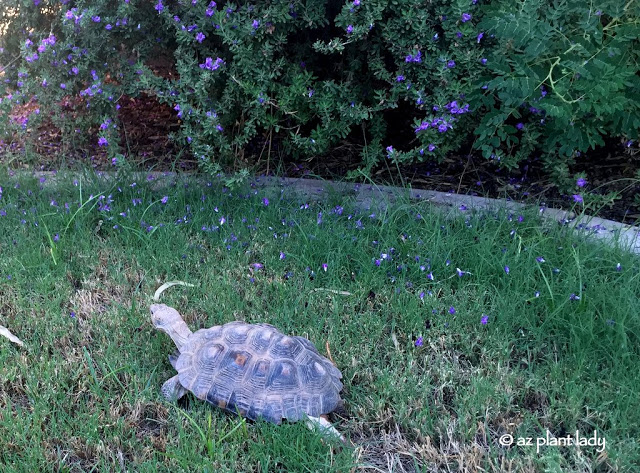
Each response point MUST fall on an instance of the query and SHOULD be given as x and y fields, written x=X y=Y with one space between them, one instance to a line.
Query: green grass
x=84 y=393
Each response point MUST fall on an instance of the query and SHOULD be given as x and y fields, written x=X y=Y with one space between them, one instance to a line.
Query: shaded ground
x=147 y=124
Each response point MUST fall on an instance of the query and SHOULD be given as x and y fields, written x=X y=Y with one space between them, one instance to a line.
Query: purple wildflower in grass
x=484 y=319
x=452 y=310
x=95 y=19
x=451 y=64
x=108 y=26
x=255 y=24
x=460 y=272
x=349 y=29
x=506 y=269
x=222 y=220
x=56 y=237
x=431 y=147
x=581 y=182
x=465 y=17
x=102 y=141
x=3 y=213
x=540 y=259
x=377 y=262
x=430 y=276
x=114 y=161
x=537 y=294
x=618 y=267
x=319 y=219
x=483 y=61
x=324 y=266
x=400 y=78
x=159 y=6
x=165 y=199
x=577 y=198
x=519 y=126
x=282 y=255
x=479 y=37
x=200 y=37
x=63 y=86
x=257 y=266
x=72 y=314
x=419 y=342
x=265 y=201
x=421 y=295
x=574 y=297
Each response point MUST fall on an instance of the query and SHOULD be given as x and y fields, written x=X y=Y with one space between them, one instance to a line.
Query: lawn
x=452 y=331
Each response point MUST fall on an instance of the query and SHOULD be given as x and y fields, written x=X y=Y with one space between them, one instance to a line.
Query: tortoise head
x=168 y=320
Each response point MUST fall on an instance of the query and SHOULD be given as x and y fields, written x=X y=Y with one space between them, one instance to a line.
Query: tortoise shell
x=256 y=371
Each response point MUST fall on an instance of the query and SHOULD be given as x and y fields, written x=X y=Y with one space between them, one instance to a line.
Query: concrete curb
x=370 y=196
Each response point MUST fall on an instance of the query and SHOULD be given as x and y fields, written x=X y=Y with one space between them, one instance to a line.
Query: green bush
x=406 y=80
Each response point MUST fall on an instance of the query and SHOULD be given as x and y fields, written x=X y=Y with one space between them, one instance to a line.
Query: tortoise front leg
x=172 y=390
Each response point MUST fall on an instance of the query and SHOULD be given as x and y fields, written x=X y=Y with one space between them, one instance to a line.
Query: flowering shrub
x=410 y=80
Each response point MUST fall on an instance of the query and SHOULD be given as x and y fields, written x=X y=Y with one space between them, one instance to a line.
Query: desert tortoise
x=250 y=369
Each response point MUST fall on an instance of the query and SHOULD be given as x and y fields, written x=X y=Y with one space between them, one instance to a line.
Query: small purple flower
x=581 y=182
x=95 y=19
x=452 y=310
x=282 y=255
x=419 y=342
x=257 y=266
x=159 y=6
x=484 y=319
x=200 y=37
x=102 y=141
x=540 y=259
x=400 y=78
x=430 y=276
x=479 y=37
x=618 y=267
x=324 y=266
x=108 y=26
x=460 y=272
x=577 y=198
x=377 y=262
x=63 y=86
x=165 y=199
x=255 y=24
x=451 y=64
x=265 y=201
x=506 y=269
x=72 y=314
x=349 y=29
x=574 y=297
x=465 y=17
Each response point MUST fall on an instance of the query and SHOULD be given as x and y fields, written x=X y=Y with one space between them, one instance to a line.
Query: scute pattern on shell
x=258 y=372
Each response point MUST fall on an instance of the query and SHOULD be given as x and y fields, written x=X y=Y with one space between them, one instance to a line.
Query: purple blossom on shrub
x=577 y=198
x=431 y=147
x=212 y=65
x=349 y=29
x=165 y=199
x=479 y=37
x=159 y=6
x=419 y=342
x=581 y=182
x=200 y=37
x=452 y=310
x=102 y=141
x=63 y=86
x=255 y=24
x=519 y=126
x=451 y=64
x=108 y=27
x=465 y=17
x=265 y=201
x=209 y=12
x=484 y=319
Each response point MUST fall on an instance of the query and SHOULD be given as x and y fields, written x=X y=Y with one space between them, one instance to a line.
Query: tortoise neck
x=179 y=332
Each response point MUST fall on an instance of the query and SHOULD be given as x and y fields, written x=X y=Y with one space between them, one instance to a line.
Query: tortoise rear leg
x=172 y=390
